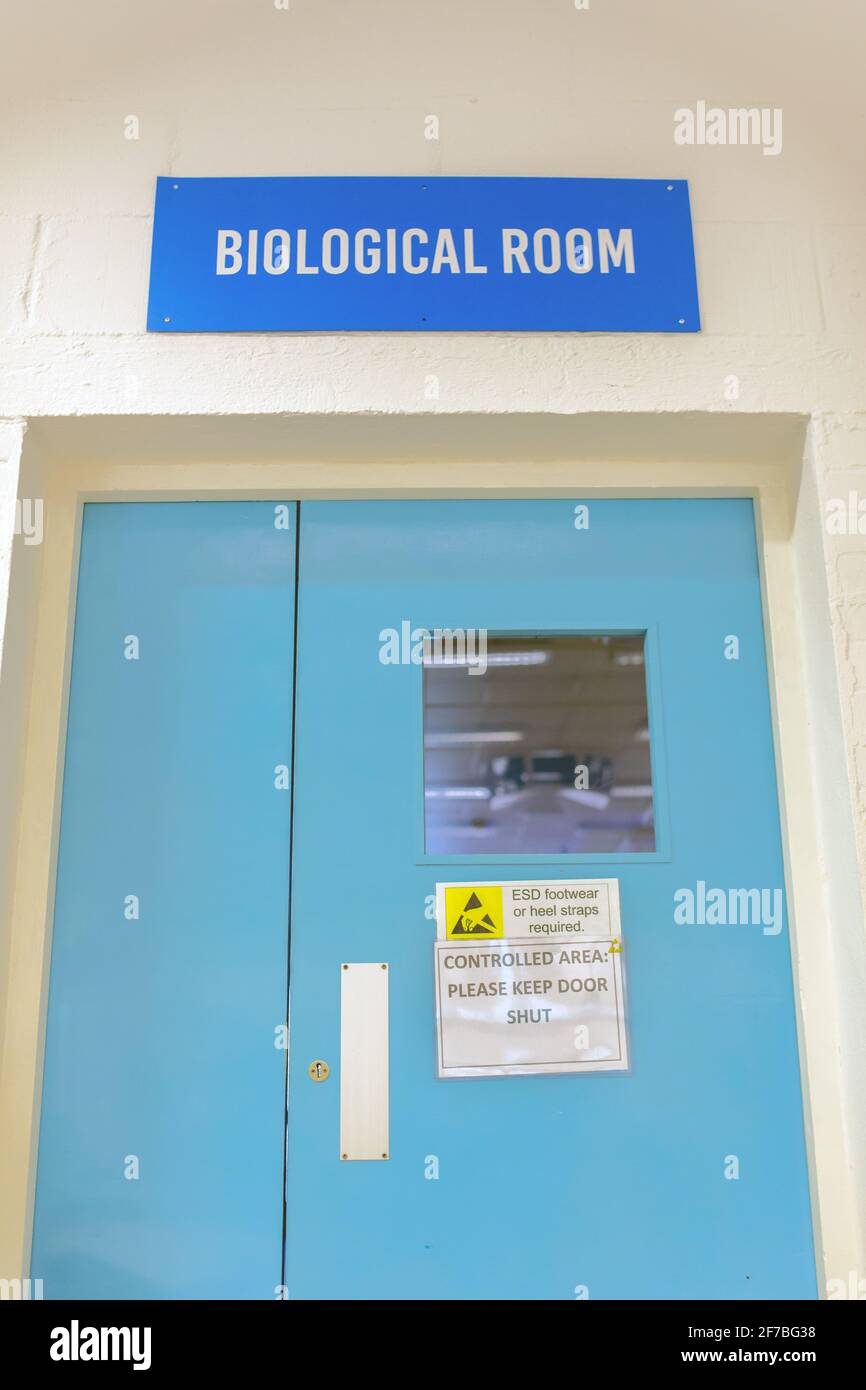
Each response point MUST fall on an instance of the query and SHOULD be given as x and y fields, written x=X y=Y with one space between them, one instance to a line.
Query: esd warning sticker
x=544 y=909
x=473 y=910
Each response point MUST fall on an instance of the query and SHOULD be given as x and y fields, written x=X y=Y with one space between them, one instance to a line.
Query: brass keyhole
x=319 y=1071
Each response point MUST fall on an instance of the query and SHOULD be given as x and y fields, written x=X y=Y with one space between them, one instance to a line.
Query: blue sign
x=422 y=255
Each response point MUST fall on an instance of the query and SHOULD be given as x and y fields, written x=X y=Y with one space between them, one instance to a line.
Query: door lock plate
x=319 y=1071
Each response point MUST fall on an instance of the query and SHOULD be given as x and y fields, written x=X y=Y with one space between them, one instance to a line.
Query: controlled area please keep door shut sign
x=529 y=978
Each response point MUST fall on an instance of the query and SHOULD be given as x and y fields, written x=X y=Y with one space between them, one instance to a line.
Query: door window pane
x=539 y=747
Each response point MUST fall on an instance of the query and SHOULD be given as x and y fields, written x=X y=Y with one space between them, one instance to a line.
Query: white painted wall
x=519 y=87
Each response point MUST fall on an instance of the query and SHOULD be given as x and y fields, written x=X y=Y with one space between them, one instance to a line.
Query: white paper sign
x=563 y=909
x=513 y=1007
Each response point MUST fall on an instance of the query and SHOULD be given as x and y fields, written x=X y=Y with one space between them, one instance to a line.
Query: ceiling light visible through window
x=492 y=659
x=486 y=736
x=459 y=793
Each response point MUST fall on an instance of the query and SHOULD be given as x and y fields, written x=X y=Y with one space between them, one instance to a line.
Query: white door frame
x=242 y=459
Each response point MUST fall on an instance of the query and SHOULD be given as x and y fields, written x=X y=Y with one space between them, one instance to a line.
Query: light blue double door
x=265 y=779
